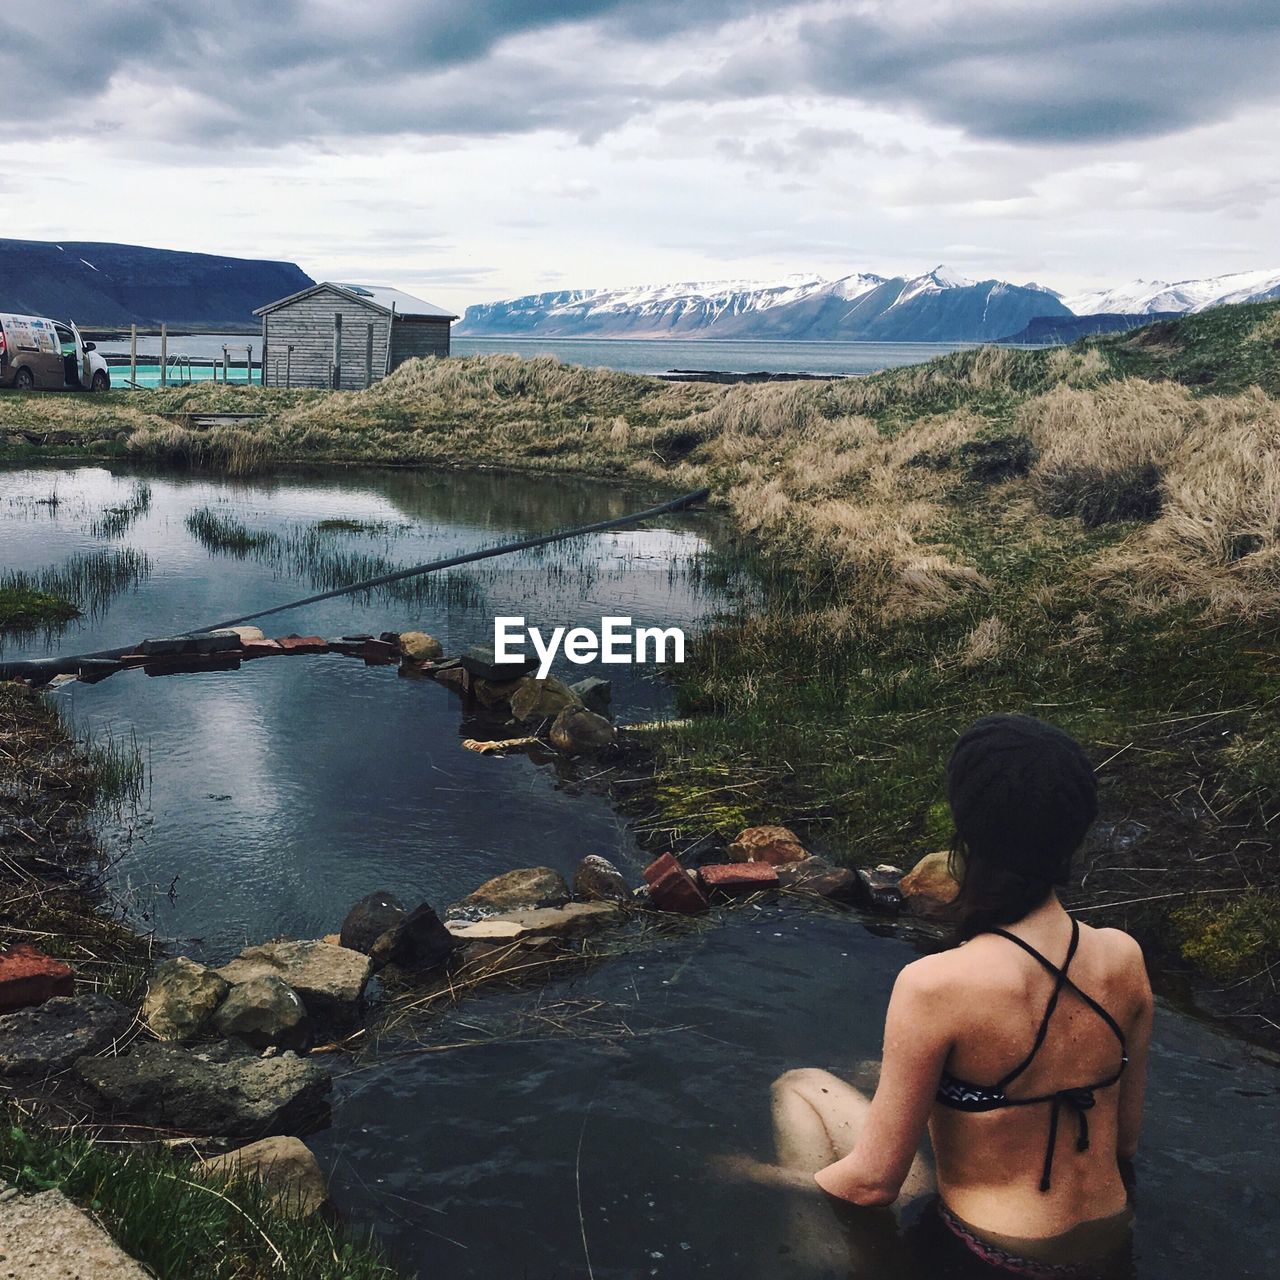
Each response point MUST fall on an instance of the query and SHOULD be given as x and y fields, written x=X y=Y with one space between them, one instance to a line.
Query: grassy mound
x=1087 y=533
x=181 y=1225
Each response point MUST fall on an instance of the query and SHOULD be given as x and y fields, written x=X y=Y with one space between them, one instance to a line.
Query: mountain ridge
x=103 y=284
x=941 y=305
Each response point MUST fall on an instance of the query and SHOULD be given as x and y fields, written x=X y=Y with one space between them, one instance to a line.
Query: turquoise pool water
x=148 y=375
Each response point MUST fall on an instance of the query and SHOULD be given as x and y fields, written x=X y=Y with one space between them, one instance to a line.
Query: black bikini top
x=960 y=1095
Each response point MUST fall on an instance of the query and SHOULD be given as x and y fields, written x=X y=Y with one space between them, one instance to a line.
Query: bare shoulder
x=1121 y=948
x=933 y=975
x=1125 y=961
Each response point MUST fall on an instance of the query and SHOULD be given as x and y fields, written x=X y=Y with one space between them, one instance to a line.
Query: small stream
x=569 y=1132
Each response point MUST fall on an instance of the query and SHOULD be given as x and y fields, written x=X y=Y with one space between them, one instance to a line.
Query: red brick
x=303 y=644
x=738 y=877
x=262 y=648
x=672 y=888
x=28 y=977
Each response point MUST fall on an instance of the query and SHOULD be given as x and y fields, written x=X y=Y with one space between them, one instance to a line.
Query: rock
x=573 y=920
x=262 y=648
x=879 y=889
x=483 y=960
x=420 y=647
x=492 y=694
x=419 y=941
x=379 y=653
x=577 y=731
x=248 y=634
x=348 y=646
x=481 y=661
x=181 y=998
x=38 y=1041
x=453 y=674
x=491 y=930
x=219 y=1090
x=598 y=880
x=536 y=700
x=738 y=877
x=513 y=891
x=29 y=977
x=206 y=642
x=264 y=1012
x=819 y=879
x=595 y=694
x=46 y=1237
x=370 y=918
x=289 y=1172
x=793 y=875
x=775 y=845
x=671 y=887
x=929 y=889
x=330 y=980
x=837 y=885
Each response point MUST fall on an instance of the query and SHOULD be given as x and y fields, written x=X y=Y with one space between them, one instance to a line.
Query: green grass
x=24 y=608
x=85 y=582
x=1221 y=351
x=343 y=525
x=179 y=1224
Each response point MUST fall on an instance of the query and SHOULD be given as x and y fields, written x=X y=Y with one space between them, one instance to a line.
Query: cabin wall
x=307 y=326
x=419 y=337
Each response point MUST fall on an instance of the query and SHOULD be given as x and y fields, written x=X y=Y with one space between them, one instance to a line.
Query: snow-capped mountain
x=1143 y=297
x=939 y=306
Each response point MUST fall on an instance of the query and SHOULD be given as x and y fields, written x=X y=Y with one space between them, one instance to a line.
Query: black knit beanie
x=1022 y=795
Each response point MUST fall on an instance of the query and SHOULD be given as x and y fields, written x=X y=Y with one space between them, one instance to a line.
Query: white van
x=37 y=354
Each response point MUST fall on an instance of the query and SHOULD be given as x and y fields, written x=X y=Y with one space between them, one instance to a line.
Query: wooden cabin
x=346 y=336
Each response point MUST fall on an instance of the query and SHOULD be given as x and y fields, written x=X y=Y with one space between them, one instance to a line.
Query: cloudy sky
x=475 y=150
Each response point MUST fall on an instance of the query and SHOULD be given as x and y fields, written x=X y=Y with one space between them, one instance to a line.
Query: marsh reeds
x=86 y=582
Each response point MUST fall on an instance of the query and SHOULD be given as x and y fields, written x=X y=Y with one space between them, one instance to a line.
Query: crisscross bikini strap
x=1062 y=980
x=1060 y=975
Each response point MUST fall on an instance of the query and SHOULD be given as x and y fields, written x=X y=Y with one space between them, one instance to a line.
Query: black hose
x=46 y=668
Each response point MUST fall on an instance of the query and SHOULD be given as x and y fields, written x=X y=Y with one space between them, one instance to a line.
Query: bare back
x=990 y=1162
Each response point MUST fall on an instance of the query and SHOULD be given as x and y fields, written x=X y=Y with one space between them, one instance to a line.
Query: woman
x=1023 y=1050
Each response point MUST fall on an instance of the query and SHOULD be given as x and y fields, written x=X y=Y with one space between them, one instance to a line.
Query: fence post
x=164 y=355
x=133 y=354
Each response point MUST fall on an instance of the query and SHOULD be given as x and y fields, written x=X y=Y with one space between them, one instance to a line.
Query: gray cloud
x=1093 y=70
x=317 y=70
x=302 y=71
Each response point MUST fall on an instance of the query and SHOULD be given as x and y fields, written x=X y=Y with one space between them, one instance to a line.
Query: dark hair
x=1022 y=796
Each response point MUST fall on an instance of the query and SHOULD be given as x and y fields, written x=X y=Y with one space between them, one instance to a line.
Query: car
x=39 y=354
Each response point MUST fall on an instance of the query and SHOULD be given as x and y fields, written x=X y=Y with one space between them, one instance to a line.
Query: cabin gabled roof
x=376 y=297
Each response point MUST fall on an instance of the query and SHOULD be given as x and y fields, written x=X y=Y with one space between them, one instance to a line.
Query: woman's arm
x=917 y=1039
x=1133 y=1084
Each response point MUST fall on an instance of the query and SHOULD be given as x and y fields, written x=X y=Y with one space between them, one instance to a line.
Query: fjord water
x=571 y=1134
x=628 y=355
